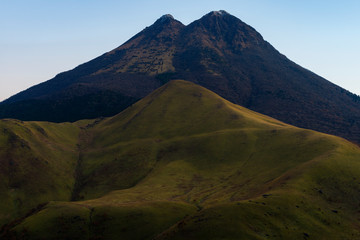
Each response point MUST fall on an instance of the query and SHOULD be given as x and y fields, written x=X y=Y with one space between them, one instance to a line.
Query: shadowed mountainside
x=219 y=52
x=182 y=163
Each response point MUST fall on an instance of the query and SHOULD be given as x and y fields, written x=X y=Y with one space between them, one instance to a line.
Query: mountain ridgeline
x=182 y=163
x=219 y=52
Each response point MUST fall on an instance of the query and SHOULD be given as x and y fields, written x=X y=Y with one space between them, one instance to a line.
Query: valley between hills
x=181 y=163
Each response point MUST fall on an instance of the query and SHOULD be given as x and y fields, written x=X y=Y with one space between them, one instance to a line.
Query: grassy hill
x=37 y=162
x=182 y=163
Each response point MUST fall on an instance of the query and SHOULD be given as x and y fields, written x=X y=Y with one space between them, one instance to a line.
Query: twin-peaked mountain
x=219 y=52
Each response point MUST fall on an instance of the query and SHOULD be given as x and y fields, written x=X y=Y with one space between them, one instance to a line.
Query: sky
x=41 y=38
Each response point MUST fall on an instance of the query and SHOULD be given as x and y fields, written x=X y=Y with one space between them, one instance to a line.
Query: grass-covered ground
x=182 y=163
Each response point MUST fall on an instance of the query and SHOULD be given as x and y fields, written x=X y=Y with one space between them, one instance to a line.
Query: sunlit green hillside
x=182 y=163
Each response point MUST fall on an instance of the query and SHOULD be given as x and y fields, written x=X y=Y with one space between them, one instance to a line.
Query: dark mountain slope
x=184 y=163
x=147 y=44
x=225 y=55
x=104 y=86
x=219 y=52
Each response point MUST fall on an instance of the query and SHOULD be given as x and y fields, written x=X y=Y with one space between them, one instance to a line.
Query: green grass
x=37 y=165
x=283 y=216
x=182 y=163
x=61 y=220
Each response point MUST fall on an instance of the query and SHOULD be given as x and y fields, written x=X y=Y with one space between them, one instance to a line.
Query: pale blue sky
x=40 y=38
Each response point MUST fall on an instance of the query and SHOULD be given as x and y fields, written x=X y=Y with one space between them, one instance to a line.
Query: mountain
x=219 y=52
x=182 y=163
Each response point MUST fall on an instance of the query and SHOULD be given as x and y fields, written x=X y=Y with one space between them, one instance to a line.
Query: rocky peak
x=219 y=13
x=165 y=20
x=166 y=17
x=222 y=28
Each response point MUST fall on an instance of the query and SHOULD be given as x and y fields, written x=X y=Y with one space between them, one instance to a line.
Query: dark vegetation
x=103 y=103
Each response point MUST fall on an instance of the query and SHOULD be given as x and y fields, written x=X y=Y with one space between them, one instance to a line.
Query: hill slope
x=37 y=162
x=219 y=52
x=183 y=163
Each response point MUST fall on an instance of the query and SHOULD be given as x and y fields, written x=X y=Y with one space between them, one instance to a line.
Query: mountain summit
x=219 y=52
x=166 y=17
x=220 y=13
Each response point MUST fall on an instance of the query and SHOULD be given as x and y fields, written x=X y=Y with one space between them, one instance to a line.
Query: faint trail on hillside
x=85 y=138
